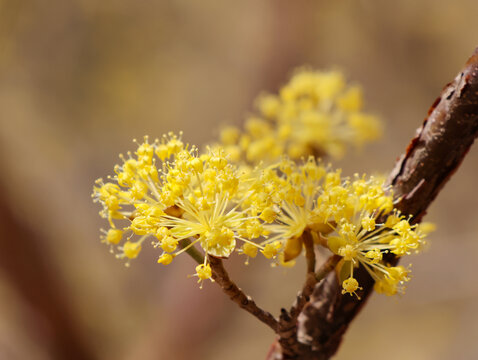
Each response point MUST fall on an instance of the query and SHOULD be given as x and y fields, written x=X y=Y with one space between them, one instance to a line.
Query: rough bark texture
x=431 y=158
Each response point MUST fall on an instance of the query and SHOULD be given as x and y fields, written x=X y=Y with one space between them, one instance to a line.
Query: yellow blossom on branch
x=315 y=113
x=178 y=198
x=183 y=200
x=353 y=218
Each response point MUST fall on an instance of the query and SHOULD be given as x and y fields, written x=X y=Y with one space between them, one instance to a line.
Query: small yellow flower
x=203 y=272
x=392 y=283
x=268 y=215
x=348 y=252
x=114 y=236
x=131 y=249
x=375 y=255
x=169 y=244
x=368 y=223
x=249 y=250
x=350 y=286
x=271 y=249
x=165 y=259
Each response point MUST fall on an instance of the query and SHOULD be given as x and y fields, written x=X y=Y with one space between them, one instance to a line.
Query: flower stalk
x=221 y=277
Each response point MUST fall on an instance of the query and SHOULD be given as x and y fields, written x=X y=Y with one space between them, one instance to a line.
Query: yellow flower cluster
x=189 y=199
x=366 y=241
x=316 y=113
x=182 y=200
x=354 y=218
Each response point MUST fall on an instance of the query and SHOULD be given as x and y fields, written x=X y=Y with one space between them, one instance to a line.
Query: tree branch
x=309 y=251
x=287 y=328
x=221 y=277
x=440 y=144
x=289 y=342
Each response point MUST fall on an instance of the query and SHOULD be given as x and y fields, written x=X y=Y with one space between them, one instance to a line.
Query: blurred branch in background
x=25 y=263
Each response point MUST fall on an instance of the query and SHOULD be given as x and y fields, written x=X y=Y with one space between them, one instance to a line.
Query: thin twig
x=289 y=342
x=309 y=251
x=221 y=277
x=288 y=319
x=310 y=279
x=192 y=251
x=327 y=267
x=310 y=282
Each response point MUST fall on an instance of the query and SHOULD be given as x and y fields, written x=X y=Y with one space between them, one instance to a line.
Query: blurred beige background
x=80 y=79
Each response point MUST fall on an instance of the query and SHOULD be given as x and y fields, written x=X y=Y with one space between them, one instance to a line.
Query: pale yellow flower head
x=315 y=113
x=177 y=198
x=352 y=217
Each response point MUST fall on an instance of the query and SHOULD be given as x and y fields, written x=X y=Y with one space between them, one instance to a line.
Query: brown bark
x=429 y=161
x=290 y=344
